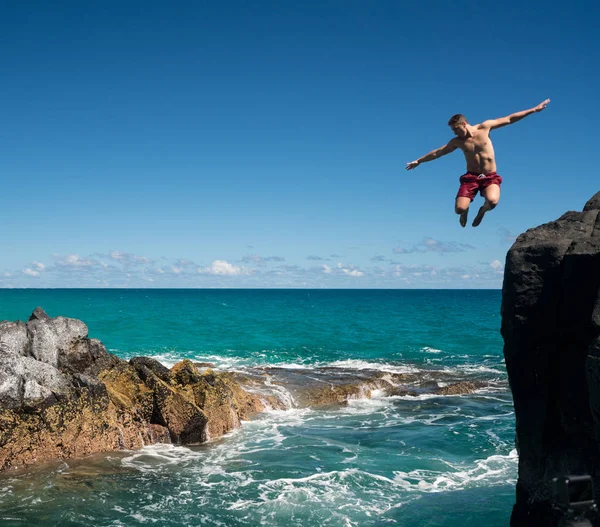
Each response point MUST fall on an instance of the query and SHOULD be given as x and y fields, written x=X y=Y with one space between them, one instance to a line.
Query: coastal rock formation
x=551 y=329
x=326 y=386
x=63 y=395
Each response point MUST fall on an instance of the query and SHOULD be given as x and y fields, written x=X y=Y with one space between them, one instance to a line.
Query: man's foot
x=463 y=218
x=479 y=216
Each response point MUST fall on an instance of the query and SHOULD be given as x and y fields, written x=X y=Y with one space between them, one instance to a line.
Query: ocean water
x=406 y=460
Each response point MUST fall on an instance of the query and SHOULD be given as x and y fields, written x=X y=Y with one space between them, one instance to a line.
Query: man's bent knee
x=461 y=205
x=492 y=203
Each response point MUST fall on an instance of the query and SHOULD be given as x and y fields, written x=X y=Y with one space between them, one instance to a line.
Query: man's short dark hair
x=458 y=118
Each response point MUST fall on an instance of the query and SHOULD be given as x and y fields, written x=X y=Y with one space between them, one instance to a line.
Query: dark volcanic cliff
x=551 y=328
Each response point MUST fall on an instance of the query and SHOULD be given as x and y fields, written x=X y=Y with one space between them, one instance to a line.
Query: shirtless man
x=475 y=142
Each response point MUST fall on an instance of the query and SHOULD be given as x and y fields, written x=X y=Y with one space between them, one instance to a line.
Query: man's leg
x=491 y=194
x=462 y=207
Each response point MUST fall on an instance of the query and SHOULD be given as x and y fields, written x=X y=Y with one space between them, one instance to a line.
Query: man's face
x=460 y=129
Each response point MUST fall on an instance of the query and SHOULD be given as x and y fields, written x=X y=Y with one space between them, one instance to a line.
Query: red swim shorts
x=471 y=183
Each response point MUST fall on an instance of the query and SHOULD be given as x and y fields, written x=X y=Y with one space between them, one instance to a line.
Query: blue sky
x=263 y=144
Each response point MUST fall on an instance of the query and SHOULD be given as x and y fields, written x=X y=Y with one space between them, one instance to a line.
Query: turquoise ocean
x=424 y=460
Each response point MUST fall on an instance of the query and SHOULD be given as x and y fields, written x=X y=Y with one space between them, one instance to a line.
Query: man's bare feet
x=479 y=216
x=463 y=218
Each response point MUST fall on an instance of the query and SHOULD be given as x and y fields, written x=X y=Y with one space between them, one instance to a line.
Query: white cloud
x=353 y=272
x=496 y=264
x=121 y=269
x=128 y=258
x=349 y=270
x=436 y=246
x=223 y=268
x=74 y=260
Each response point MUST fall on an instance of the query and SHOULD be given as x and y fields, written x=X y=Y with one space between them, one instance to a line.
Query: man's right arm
x=434 y=154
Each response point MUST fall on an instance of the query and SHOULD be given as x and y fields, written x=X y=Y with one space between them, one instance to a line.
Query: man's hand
x=412 y=164
x=541 y=106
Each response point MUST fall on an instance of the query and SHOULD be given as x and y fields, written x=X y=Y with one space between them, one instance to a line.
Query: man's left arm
x=514 y=117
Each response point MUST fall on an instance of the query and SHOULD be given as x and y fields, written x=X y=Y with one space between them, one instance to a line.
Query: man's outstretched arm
x=514 y=117
x=434 y=154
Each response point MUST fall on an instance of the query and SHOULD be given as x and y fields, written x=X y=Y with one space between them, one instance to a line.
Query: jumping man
x=475 y=142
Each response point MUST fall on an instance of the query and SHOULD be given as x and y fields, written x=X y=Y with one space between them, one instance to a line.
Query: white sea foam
x=427 y=349
x=478 y=368
x=243 y=364
x=5 y=491
x=356 y=407
x=357 y=364
x=339 y=490
x=420 y=397
x=282 y=393
x=163 y=454
x=292 y=366
x=494 y=470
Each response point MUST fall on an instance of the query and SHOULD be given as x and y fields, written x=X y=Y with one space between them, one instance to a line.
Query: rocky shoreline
x=63 y=395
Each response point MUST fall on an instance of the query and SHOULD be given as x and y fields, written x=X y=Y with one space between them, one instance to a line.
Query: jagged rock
x=460 y=388
x=14 y=339
x=39 y=314
x=225 y=403
x=177 y=412
x=26 y=382
x=185 y=372
x=162 y=372
x=51 y=337
x=204 y=365
x=551 y=327
x=63 y=395
x=401 y=391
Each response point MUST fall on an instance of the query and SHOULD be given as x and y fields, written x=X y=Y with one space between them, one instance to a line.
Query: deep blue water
x=411 y=461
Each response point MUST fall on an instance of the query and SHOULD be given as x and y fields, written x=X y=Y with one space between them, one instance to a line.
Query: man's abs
x=479 y=163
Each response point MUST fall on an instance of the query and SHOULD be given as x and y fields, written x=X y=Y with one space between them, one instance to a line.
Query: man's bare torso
x=478 y=150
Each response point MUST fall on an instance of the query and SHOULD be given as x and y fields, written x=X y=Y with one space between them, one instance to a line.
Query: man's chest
x=476 y=144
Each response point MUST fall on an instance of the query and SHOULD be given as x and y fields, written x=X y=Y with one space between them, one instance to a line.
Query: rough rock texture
x=63 y=395
x=551 y=328
x=460 y=388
